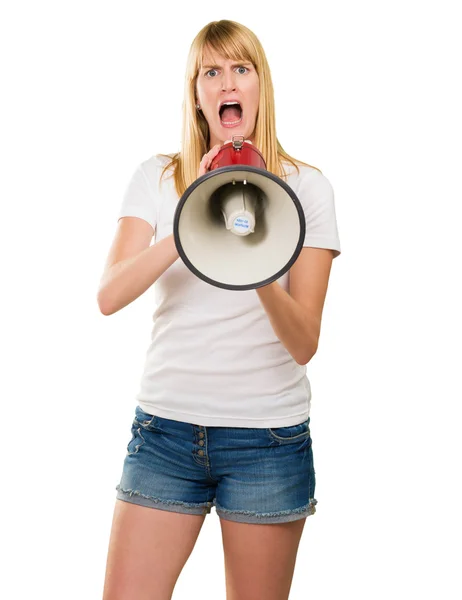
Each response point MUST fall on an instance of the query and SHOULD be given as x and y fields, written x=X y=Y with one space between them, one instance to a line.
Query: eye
x=214 y=70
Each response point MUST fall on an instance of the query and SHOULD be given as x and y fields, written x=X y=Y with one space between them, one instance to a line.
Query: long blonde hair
x=236 y=42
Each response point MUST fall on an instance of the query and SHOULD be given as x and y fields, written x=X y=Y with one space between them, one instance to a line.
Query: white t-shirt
x=214 y=358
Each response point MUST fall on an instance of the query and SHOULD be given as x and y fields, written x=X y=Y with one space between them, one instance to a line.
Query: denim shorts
x=261 y=475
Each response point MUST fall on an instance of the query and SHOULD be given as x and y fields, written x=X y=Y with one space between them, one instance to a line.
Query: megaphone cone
x=239 y=226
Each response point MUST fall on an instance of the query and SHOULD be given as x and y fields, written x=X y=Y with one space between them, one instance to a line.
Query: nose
x=228 y=83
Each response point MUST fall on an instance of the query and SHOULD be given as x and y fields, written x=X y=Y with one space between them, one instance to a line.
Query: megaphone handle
x=238 y=141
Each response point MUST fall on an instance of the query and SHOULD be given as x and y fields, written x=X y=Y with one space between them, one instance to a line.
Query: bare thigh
x=260 y=559
x=148 y=548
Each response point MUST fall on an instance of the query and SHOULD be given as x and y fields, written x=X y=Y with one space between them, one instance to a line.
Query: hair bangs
x=228 y=43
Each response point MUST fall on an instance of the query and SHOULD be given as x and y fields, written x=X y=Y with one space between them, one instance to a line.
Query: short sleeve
x=139 y=198
x=316 y=196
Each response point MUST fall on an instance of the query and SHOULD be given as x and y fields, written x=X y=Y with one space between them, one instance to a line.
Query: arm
x=127 y=279
x=296 y=317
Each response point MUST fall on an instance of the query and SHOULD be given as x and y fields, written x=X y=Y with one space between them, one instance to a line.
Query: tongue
x=231 y=113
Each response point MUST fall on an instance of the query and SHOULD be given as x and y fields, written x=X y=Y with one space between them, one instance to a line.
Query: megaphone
x=239 y=226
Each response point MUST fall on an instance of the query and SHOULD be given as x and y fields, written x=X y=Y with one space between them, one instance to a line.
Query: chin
x=228 y=132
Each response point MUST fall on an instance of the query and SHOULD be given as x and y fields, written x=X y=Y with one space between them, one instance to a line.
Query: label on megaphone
x=243 y=224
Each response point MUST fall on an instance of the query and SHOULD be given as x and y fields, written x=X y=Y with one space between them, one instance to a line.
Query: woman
x=223 y=410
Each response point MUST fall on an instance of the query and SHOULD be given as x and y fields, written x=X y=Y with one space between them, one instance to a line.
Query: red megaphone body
x=238 y=152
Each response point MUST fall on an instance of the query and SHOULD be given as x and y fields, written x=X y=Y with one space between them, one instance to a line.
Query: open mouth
x=230 y=114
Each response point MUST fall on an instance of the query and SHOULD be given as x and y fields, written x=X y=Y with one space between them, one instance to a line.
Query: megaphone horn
x=239 y=226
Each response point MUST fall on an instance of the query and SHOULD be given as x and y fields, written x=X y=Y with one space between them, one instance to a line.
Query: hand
x=207 y=160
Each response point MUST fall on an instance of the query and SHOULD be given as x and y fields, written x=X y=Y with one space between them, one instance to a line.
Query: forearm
x=297 y=330
x=130 y=278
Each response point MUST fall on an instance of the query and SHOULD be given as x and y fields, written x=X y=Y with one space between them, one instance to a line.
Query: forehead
x=213 y=58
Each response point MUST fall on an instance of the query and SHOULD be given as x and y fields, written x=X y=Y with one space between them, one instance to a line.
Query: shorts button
x=200 y=452
x=201 y=443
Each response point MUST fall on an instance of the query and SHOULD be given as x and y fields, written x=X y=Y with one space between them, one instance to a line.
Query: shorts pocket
x=144 y=419
x=291 y=433
x=137 y=440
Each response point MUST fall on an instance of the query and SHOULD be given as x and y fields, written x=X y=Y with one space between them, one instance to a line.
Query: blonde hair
x=235 y=42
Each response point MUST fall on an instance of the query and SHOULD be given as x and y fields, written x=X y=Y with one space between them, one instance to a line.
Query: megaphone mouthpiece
x=238 y=203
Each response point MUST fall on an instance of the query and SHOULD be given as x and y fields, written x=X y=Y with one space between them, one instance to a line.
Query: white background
x=366 y=91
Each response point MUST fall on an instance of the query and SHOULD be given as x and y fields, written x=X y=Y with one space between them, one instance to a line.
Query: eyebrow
x=233 y=65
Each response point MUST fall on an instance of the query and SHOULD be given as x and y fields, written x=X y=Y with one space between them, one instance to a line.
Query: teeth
x=232 y=122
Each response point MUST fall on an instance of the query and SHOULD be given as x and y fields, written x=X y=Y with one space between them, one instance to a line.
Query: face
x=222 y=80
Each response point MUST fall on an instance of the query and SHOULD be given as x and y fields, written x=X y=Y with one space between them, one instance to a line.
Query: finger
x=207 y=159
x=213 y=152
x=203 y=165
